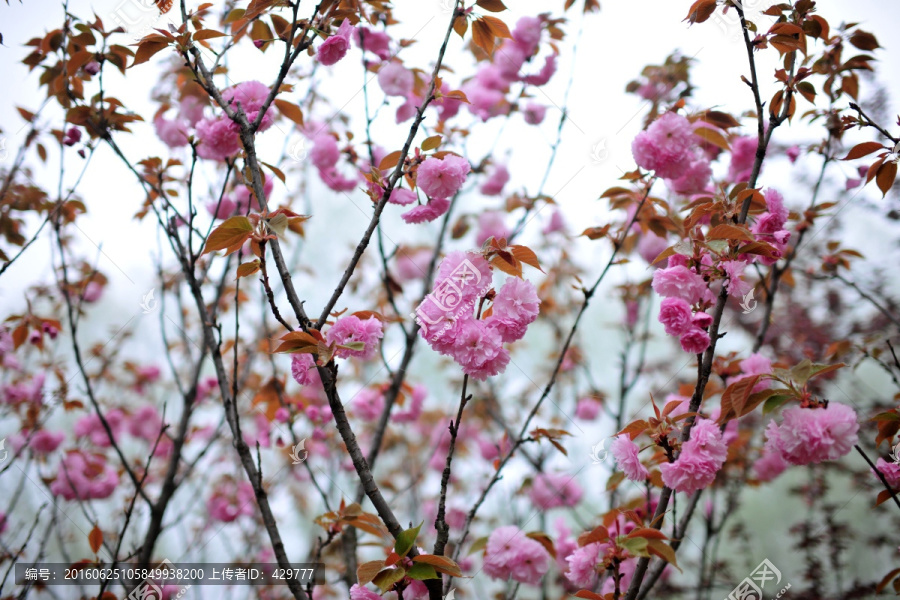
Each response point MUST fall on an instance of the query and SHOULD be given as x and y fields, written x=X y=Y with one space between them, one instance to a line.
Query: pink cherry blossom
x=172 y=132
x=650 y=246
x=325 y=152
x=545 y=74
x=395 y=79
x=679 y=282
x=218 y=140
x=413 y=410
x=251 y=95
x=91 y=426
x=583 y=564
x=665 y=147
x=368 y=404
x=491 y=224
x=815 y=435
x=358 y=592
x=145 y=423
x=376 y=42
x=695 y=177
x=701 y=458
x=303 y=369
x=353 y=329
x=425 y=213
x=694 y=340
x=743 y=156
x=497 y=179
x=734 y=282
x=527 y=34
x=625 y=452
x=402 y=197
x=442 y=178
x=336 y=46
x=891 y=472
x=230 y=500
x=516 y=306
x=534 y=113
x=84 y=476
x=587 y=409
x=510 y=554
x=554 y=490
x=39 y=442
x=479 y=350
x=676 y=316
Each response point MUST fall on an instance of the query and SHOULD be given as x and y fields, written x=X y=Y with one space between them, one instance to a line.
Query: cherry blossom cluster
x=451 y=321
x=807 y=435
x=218 y=135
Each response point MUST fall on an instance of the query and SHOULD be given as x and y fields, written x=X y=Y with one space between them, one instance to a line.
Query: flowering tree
x=373 y=420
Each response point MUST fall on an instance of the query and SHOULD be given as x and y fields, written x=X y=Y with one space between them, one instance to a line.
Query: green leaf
x=387 y=578
x=637 y=546
x=775 y=402
x=406 y=540
x=478 y=545
x=421 y=571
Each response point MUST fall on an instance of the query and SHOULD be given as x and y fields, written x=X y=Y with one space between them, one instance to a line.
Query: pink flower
x=479 y=350
x=426 y=213
x=891 y=472
x=376 y=42
x=702 y=319
x=412 y=264
x=498 y=178
x=793 y=153
x=554 y=490
x=352 y=329
x=218 y=140
x=91 y=427
x=556 y=223
x=650 y=246
x=694 y=178
x=401 y=196
x=251 y=95
x=414 y=410
x=336 y=46
x=511 y=554
x=733 y=271
x=694 y=341
x=39 y=442
x=191 y=109
x=625 y=452
x=679 y=282
x=587 y=409
x=485 y=102
x=583 y=564
x=145 y=423
x=395 y=79
x=303 y=369
x=172 y=132
x=701 y=458
x=675 y=314
x=534 y=113
x=815 y=435
x=527 y=34
x=442 y=178
x=516 y=306
x=416 y=590
x=325 y=152
x=491 y=225
x=368 y=404
x=358 y=592
x=230 y=500
x=665 y=146
x=771 y=464
x=84 y=477
x=545 y=74
x=743 y=156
